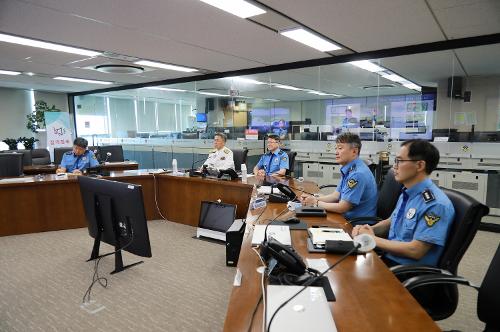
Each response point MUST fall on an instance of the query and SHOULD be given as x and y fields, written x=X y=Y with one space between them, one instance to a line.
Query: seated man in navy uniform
x=79 y=159
x=356 y=195
x=275 y=161
x=419 y=226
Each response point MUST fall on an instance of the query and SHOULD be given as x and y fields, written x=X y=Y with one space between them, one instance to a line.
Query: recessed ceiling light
x=286 y=87
x=29 y=74
x=310 y=39
x=164 y=66
x=45 y=45
x=245 y=80
x=412 y=86
x=9 y=72
x=240 y=8
x=72 y=79
x=164 y=89
x=393 y=77
x=367 y=65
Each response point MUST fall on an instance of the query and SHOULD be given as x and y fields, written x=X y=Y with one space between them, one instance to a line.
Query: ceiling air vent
x=119 y=69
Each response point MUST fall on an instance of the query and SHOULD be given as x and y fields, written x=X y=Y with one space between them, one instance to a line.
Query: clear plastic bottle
x=243 y=173
x=174 y=166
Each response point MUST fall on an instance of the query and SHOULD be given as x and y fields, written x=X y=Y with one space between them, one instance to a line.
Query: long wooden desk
x=48 y=204
x=51 y=169
x=368 y=296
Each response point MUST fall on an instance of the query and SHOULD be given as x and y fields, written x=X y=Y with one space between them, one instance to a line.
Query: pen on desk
x=331 y=231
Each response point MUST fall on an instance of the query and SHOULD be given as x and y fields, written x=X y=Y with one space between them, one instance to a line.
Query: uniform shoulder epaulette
x=68 y=152
x=428 y=196
x=226 y=150
x=213 y=151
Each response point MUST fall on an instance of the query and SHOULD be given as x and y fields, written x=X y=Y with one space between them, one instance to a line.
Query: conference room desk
x=368 y=296
x=51 y=169
x=46 y=203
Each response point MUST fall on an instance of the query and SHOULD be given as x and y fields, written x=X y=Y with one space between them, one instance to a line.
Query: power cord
x=156 y=198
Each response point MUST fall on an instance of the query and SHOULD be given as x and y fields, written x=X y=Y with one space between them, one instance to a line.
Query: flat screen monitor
x=201 y=117
x=216 y=216
x=116 y=153
x=115 y=215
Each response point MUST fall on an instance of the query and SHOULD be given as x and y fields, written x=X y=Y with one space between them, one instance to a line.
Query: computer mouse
x=292 y=221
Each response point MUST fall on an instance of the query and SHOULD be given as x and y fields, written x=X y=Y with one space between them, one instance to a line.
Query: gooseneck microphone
x=362 y=243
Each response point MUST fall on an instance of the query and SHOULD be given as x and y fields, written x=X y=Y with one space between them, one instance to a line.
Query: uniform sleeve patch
x=431 y=219
x=352 y=183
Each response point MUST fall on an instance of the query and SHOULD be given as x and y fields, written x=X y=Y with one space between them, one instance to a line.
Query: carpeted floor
x=184 y=287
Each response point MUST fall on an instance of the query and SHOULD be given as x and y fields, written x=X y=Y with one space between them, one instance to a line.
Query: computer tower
x=234 y=238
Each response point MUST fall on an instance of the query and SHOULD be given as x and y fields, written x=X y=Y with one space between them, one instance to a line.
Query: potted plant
x=36 y=120
x=11 y=142
x=28 y=142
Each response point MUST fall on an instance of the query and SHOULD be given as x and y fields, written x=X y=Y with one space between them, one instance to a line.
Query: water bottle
x=174 y=166
x=243 y=173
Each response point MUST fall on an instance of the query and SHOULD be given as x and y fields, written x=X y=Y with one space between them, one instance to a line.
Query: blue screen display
x=201 y=117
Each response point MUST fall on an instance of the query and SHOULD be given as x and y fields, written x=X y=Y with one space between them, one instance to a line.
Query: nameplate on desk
x=17 y=180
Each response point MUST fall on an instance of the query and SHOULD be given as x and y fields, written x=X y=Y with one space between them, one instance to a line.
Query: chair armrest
x=364 y=220
x=327 y=186
x=435 y=279
x=417 y=269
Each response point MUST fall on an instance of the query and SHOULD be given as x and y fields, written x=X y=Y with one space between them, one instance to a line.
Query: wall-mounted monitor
x=201 y=117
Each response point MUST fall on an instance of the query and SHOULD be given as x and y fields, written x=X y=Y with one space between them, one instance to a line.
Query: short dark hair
x=350 y=138
x=81 y=142
x=221 y=135
x=419 y=149
x=274 y=137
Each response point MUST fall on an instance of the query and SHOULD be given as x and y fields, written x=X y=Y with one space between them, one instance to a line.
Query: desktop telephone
x=286 y=256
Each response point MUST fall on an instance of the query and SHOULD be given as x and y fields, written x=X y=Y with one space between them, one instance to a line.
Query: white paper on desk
x=320 y=234
x=265 y=190
x=278 y=232
x=320 y=264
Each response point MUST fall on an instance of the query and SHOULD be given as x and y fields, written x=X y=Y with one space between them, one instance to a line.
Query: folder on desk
x=319 y=235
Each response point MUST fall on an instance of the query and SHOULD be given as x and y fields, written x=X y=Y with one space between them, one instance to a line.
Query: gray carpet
x=184 y=287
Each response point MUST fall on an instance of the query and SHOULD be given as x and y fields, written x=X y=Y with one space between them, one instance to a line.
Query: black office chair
x=239 y=157
x=11 y=164
x=58 y=154
x=388 y=195
x=115 y=150
x=40 y=157
x=441 y=301
x=291 y=162
x=488 y=299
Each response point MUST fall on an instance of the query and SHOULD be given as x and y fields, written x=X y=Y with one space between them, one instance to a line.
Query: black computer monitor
x=216 y=216
x=115 y=156
x=115 y=215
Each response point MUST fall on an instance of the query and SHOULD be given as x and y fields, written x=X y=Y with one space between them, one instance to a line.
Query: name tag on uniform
x=411 y=213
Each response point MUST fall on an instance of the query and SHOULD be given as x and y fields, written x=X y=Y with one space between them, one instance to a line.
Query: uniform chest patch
x=352 y=183
x=431 y=219
x=411 y=213
x=222 y=158
x=84 y=158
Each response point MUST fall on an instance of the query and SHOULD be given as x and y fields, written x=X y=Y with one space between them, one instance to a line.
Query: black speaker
x=455 y=87
x=234 y=238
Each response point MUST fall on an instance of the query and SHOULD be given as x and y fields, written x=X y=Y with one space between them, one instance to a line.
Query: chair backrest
x=488 y=299
x=115 y=150
x=11 y=164
x=40 y=157
x=239 y=157
x=388 y=195
x=291 y=161
x=468 y=215
x=26 y=156
x=58 y=154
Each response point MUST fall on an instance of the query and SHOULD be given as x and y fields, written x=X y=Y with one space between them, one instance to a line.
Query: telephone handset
x=285 y=255
x=286 y=190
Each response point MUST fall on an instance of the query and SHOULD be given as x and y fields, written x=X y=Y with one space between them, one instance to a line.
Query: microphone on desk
x=362 y=243
x=193 y=170
x=108 y=154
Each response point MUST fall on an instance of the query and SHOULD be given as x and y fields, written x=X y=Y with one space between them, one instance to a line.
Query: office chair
x=239 y=157
x=291 y=162
x=116 y=153
x=440 y=301
x=40 y=157
x=488 y=299
x=11 y=164
x=388 y=195
x=58 y=154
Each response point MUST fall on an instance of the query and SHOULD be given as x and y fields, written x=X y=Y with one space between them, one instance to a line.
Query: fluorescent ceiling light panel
x=164 y=89
x=9 y=72
x=45 y=45
x=393 y=77
x=286 y=87
x=270 y=99
x=72 y=79
x=212 y=94
x=240 y=8
x=320 y=93
x=164 y=66
x=412 y=86
x=308 y=38
x=367 y=65
x=245 y=80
